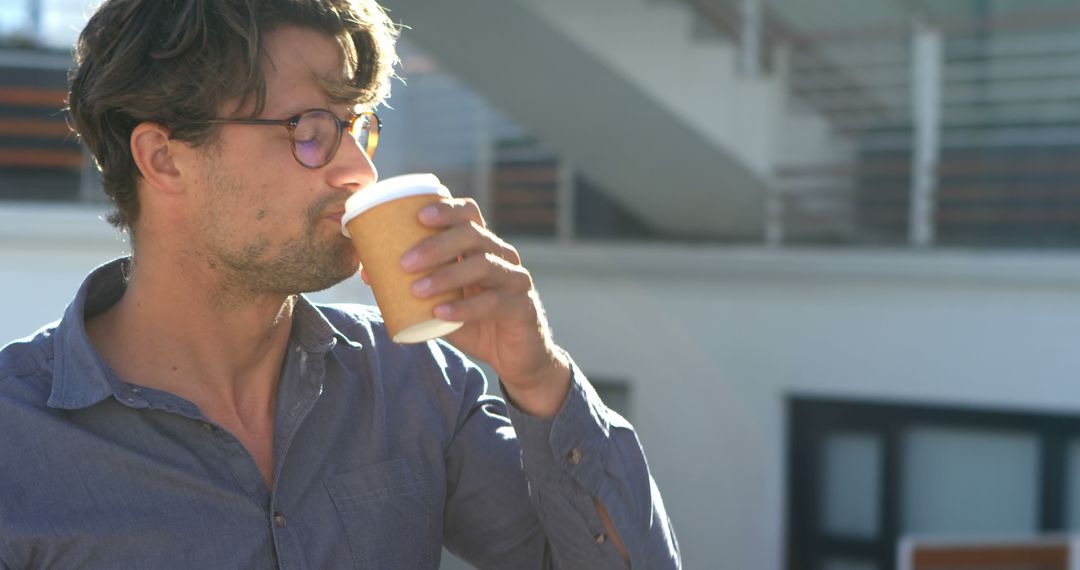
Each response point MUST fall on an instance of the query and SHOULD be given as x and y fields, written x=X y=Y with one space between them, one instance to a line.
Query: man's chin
x=343 y=269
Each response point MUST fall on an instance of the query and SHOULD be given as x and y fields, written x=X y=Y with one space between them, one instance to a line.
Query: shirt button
x=279 y=520
x=574 y=457
x=600 y=538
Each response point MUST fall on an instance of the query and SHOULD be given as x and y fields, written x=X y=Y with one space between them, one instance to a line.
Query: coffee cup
x=382 y=222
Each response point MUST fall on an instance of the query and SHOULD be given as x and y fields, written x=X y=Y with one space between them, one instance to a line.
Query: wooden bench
x=1047 y=553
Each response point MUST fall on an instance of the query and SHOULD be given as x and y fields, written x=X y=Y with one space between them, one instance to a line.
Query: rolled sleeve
x=588 y=451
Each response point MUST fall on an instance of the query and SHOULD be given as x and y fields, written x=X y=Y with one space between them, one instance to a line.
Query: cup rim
x=389 y=189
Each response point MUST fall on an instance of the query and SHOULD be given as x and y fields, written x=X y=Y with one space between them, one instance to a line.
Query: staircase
x=656 y=115
x=1007 y=173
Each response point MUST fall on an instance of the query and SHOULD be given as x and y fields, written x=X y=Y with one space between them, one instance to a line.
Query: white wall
x=45 y=251
x=712 y=340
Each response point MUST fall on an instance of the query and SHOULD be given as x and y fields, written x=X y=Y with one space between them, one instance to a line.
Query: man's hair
x=175 y=62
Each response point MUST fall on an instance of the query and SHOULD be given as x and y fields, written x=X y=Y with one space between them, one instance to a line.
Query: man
x=193 y=410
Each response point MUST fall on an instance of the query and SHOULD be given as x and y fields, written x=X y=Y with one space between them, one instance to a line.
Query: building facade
x=822 y=254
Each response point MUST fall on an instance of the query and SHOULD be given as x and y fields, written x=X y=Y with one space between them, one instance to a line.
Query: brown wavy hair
x=175 y=62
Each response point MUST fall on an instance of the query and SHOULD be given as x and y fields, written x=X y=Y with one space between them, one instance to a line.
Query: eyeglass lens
x=318 y=133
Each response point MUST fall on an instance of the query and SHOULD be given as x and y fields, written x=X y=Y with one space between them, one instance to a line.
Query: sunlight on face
x=281 y=251
x=264 y=221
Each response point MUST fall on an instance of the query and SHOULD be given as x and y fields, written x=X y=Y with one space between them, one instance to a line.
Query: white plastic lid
x=390 y=189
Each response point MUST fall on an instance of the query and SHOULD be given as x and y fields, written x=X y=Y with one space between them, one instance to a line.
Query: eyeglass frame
x=291 y=123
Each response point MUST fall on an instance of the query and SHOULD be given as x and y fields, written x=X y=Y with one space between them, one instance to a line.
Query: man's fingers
x=487 y=271
x=461 y=240
x=484 y=305
x=452 y=212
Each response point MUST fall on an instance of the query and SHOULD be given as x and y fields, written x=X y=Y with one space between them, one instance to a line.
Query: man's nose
x=351 y=168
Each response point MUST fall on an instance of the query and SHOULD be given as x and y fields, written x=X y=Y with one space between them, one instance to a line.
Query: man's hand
x=504 y=321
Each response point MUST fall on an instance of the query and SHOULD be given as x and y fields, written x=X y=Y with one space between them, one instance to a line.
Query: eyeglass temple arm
x=253 y=121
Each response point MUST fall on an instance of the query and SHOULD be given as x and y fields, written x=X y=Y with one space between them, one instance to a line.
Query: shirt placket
x=301 y=384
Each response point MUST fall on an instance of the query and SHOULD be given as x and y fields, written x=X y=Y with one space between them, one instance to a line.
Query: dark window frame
x=811 y=419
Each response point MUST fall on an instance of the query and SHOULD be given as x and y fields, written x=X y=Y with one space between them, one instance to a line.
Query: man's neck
x=189 y=332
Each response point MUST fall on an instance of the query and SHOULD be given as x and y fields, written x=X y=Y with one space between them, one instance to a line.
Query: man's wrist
x=541 y=393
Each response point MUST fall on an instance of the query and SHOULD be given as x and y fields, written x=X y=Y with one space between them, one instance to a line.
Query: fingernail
x=442 y=311
x=429 y=213
x=409 y=260
x=422 y=286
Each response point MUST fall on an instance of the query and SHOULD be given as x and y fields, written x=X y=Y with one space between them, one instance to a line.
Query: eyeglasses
x=316 y=134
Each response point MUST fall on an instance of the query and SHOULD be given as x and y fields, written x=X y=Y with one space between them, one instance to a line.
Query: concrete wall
x=712 y=340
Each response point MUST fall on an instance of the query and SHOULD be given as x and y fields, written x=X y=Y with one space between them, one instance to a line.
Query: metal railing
x=999 y=145
x=1004 y=128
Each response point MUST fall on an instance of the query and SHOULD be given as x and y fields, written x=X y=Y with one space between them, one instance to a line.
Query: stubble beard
x=305 y=264
x=308 y=262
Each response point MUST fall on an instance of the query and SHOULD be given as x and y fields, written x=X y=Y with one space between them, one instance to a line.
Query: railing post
x=774 y=191
x=564 y=201
x=751 y=22
x=926 y=85
x=484 y=166
x=774 y=216
x=89 y=186
x=33 y=13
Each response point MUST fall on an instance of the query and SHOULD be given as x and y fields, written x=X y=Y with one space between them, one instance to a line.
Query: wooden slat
x=38 y=128
x=528 y=217
x=529 y=174
x=963 y=195
x=41 y=158
x=527 y=197
x=996 y=216
x=956 y=166
x=27 y=97
x=1040 y=165
x=1034 y=557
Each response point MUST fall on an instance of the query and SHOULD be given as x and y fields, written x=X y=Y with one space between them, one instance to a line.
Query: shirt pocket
x=388 y=513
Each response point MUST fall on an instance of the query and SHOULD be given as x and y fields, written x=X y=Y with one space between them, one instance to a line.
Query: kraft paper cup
x=382 y=223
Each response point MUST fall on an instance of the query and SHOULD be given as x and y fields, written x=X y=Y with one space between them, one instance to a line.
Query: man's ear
x=154 y=155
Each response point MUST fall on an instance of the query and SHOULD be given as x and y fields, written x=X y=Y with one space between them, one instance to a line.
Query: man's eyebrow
x=339 y=88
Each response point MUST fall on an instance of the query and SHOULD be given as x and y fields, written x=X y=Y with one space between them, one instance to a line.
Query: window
x=614 y=393
x=864 y=474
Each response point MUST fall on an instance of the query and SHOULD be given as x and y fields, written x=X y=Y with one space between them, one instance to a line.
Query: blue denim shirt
x=382 y=454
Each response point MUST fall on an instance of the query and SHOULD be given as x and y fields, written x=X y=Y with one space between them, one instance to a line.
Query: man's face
x=264 y=222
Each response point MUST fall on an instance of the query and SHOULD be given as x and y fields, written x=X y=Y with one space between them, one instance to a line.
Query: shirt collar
x=312 y=331
x=81 y=378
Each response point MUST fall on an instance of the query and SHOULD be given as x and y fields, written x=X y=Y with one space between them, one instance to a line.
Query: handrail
x=1029 y=20
x=723 y=16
